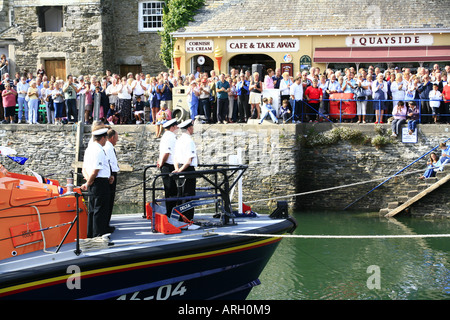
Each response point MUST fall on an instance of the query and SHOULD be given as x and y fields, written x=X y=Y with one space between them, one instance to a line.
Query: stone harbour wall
x=267 y=150
x=343 y=162
x=279 y=161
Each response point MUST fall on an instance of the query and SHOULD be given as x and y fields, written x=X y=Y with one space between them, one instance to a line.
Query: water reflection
x=335 y=269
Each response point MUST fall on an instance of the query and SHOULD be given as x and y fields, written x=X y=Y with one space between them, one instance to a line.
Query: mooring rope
x=321 y=190
x=331 y=188
x=400 y=236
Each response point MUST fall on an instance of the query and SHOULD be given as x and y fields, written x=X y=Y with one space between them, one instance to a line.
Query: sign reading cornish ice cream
x=266 y=45
x=199 y=46
x=389 y=41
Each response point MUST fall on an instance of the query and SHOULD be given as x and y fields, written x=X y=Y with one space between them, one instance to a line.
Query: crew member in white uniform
x=186 y=160
x=97 y=172
x=112 y=138
x=166 y=162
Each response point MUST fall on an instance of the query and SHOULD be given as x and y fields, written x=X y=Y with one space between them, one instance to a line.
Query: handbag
x=360 y=93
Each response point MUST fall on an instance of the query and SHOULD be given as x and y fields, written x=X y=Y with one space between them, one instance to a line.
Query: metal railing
x=342 y=115
x=220 y=179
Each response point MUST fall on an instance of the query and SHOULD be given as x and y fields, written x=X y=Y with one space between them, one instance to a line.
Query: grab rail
x=221 y=178
x=397 y=173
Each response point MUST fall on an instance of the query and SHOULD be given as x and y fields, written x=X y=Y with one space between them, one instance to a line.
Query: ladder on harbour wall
x=405 y=201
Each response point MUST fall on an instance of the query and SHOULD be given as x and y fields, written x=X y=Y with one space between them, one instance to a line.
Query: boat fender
x=148 y=211
x=294 y=224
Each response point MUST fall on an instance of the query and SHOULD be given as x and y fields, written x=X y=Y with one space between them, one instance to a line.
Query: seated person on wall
x=399 y=114
x=445 y=157
x=413 y=117
x=433 y=164
x=267 y=109
x=285 y=112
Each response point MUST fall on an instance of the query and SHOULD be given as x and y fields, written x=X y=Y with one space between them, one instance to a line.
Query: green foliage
x=379 y=141
x=312 y=138
x=176 y=15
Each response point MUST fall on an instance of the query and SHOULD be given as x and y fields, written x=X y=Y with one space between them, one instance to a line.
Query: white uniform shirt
x=111 y=154
x=95 y=158
x=167 y=145
x=185 y=150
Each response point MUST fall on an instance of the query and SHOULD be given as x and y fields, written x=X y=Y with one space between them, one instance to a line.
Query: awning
x=382 y=54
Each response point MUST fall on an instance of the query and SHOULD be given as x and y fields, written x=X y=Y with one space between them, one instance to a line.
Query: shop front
x=294 y=52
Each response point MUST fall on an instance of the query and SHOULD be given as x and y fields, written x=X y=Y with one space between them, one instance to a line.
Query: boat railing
x=219 y=180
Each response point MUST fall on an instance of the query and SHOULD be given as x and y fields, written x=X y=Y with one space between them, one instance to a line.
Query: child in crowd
x=267 y=109
x=138 y=110
x=413 y=115
x=161 y=117
x=435 y=101
x=112 y=116
x=285 y=112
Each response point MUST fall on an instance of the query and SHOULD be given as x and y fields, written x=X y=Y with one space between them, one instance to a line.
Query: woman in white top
x=411 y=88
x=398 y=88
x=285 y=86
x=361 y=101
x=124 y=104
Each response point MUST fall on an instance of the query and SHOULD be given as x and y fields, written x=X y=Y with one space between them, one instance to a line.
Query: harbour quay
x=283 y=161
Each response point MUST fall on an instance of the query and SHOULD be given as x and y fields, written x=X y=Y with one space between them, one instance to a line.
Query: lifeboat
x=217 y=255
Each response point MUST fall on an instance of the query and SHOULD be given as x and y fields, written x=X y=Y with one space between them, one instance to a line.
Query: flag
x=19 y=160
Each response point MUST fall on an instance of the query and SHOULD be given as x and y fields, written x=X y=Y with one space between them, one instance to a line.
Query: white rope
x=323 y=190
x=402 y=236
x=332 y=188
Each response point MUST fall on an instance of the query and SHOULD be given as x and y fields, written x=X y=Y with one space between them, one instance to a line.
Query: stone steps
x=410 y=196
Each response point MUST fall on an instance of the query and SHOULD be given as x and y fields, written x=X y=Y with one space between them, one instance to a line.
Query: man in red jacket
x=313 y=96
x=446 y=97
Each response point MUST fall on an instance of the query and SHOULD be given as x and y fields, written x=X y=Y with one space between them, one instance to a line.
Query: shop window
x=50 y=18
x=150 y=15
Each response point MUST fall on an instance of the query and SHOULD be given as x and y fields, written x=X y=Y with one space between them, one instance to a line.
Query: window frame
x=141 y=16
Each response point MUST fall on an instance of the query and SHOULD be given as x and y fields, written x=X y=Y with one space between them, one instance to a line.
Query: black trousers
x=99 y=204
x=426 y=109
x=222 y=110
x=170 y=187
x=188 y=189
x=112 y=188
x=243 y=107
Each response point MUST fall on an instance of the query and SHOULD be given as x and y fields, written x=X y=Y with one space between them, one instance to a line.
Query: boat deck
x=132 y=232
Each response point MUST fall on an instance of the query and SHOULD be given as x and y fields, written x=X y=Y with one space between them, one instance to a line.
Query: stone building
x=81 y=37
x=297 y=35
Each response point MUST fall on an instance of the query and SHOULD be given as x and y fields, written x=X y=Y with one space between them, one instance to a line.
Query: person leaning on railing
x=446 y=98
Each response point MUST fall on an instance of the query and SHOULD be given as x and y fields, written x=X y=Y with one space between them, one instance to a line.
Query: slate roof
x=320 y=15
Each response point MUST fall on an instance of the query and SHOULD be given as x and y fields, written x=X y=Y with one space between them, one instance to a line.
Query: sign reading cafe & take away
x=263 y=45
x=389 y=40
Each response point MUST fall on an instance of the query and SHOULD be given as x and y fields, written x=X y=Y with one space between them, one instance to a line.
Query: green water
x=337 y=269
x=359 y=269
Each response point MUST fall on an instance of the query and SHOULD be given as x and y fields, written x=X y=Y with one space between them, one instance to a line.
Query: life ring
x=180 y=114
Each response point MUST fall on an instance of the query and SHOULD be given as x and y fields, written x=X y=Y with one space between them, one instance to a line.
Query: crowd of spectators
x=236 y=97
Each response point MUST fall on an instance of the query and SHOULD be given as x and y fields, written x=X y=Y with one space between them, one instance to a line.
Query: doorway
x=56 y=68
x=244 y=62
x=201 y=63
x=129 y=68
